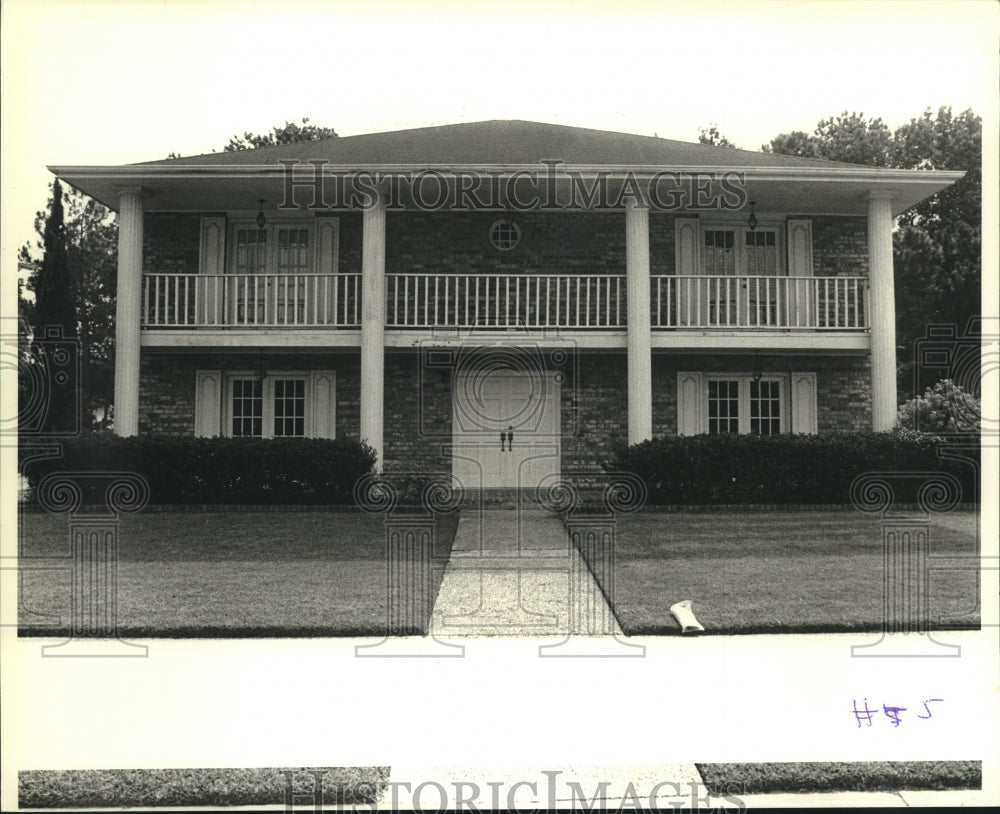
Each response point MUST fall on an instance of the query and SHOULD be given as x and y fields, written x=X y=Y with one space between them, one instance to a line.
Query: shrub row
x=734 y=469
x=214 y=470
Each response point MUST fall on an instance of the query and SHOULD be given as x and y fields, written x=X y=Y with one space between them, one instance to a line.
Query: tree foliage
x=943 y=408
x=937 y=247
x=849 y=137
x=289 y=133
x=86 y=289
x=53 y=282
x=711 y=135
x=48 y=388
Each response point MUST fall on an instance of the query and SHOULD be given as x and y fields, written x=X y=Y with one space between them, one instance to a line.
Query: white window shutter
x=691 y=400
x=803 y=395
x=327 y=245
x=208 y=403
x=323 y=386
x=800 y=248
x=211 y=260
x=212 y=254
x=687 y=246
x=687 y=256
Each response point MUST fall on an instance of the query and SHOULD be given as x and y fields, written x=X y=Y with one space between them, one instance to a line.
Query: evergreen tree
x=56 y=381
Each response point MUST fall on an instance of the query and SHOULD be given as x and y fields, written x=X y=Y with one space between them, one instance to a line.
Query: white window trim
x=740 y=229
x=213 y=402
x=267 y=415
x=798 y=400
x=272 y=224
x=743 y=380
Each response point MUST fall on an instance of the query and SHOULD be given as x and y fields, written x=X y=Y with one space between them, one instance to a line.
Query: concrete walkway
x=513 y=572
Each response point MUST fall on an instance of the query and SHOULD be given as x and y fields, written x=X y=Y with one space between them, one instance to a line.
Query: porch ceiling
x=800 y=191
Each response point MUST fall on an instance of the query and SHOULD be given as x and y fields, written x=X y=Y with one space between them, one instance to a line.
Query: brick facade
x=440 y=242
x=171 y=243
x=167 y=384
x=418 y=398
x=840 y=246
x=551 y=243
x=418 y=414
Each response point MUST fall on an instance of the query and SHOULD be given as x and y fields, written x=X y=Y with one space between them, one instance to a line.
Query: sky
x=115 y=82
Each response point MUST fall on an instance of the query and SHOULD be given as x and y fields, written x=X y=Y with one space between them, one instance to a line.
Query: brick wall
x=167 y=385
x=661 y=243
x=418 y=406
x=551 y=243
x=417 y=417
x=170 y=242
x=843 y=386
x=840 y=246
x=349 y=261
x=594 y=410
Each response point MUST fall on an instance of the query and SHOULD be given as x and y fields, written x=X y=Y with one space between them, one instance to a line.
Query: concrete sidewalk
x=514 y=572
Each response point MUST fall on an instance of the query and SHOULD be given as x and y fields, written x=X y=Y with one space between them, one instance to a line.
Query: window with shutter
x=719 y=403
x=242 y=404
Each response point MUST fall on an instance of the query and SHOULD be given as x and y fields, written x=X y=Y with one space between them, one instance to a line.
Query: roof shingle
x=504 y=143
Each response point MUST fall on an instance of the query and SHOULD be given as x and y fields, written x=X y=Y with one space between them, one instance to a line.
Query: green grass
x=763 y=778
x=231 y=574
x=761 y=572
x=196 y=787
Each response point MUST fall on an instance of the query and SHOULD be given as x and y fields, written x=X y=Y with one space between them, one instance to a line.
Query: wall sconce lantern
x=752 y=220
x=756 y=373
x=261 y=220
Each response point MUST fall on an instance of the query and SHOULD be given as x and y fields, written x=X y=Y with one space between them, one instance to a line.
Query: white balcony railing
x=585 y=302
x=783 y=303
x=505 y=301
x=251 y=300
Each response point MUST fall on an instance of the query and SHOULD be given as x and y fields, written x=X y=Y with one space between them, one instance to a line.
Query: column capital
x=631 y=204
x=141 y=191
x=881 y=195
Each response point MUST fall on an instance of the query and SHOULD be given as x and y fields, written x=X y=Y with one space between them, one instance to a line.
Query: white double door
x=505 y=428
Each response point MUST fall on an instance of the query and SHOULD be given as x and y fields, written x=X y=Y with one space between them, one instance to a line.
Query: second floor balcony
x=597 y=303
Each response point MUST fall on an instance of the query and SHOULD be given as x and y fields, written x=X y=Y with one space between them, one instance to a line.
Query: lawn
x=229 y=574
x=199 y=787
x=769 y=572
x=763 y=778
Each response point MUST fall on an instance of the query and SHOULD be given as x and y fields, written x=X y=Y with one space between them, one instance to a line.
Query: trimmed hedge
x=216 y=470
x=735 y=469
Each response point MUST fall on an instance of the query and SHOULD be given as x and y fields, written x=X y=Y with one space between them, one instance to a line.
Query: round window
x=505 y=235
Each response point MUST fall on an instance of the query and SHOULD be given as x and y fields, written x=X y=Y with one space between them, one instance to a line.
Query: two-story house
x=503 y=301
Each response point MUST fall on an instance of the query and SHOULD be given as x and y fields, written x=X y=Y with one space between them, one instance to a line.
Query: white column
x=127 y=308
x=883 y=311
x=640 y=375
x=373 y=325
